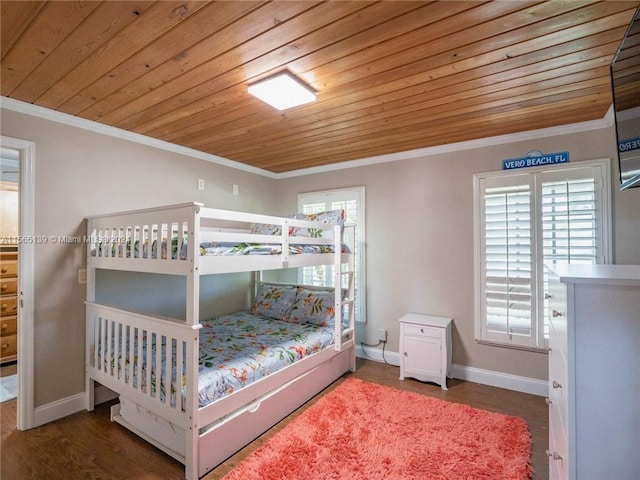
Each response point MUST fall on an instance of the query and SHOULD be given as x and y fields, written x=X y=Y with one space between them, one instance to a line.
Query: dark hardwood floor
x=87 y=445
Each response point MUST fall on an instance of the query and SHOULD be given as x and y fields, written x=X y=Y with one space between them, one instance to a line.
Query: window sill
x=544 y=350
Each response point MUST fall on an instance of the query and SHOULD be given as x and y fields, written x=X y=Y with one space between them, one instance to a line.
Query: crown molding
x=73 y=121
x=606 y=122
x=15 y=105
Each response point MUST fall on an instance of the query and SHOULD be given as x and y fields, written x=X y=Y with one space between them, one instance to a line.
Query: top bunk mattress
x=147 y=235
x=124 y=250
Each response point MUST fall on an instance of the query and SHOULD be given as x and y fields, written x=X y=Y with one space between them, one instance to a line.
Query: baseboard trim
x=517 y=383
x=58 y=409
x=370 y=353
x=507 y=381
x=70 y=405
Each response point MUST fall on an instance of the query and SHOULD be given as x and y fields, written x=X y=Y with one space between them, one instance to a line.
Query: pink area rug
x=365 y=431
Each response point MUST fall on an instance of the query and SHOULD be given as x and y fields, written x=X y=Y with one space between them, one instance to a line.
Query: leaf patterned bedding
x=123 y=250
x=238 y=349
x=129 y=247
x=235 y=351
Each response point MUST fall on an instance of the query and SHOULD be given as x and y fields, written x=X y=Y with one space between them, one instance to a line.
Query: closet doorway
x=17 y=275
x=9 y=221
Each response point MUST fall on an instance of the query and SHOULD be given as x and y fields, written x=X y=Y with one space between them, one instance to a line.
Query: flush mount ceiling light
x=282 y=91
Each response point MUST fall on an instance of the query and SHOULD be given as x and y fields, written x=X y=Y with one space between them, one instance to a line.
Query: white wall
x=420 y=238
x=80 y=173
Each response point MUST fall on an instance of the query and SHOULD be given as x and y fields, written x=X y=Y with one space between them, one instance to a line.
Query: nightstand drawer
x=423 y=331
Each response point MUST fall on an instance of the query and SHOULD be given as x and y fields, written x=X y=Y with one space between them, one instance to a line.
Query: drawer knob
x=4 y=326
x=554 y=455
x=5 y=346
x=4 y=306
x=555 y=384
x=547 y=296
x=556 y=313
x=4 y=287
x=422 y=330
x=4 y=270
x=405 y=354
x=547 y=401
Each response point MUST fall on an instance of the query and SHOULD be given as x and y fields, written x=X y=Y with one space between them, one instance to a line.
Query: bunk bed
x=157 y=365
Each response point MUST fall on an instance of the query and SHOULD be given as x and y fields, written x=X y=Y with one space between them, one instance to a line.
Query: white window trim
x=604 y=163
x=361 y=314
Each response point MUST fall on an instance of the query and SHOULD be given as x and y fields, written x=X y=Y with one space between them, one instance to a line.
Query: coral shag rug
x=365 y=431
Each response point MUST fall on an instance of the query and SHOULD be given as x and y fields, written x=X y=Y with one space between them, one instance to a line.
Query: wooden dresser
x=594 y=383
x=8 y=306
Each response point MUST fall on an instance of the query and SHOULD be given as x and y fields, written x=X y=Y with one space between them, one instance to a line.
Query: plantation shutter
x=525 y=221
x=570 y=217
x=508 y=262
x=572 y=222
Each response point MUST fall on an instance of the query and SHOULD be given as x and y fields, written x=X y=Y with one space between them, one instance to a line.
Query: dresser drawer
x=9 y=268
x=7 y=256
x=558 y=376
x=557 y=430
x=558 y=411
x=8 y=326
x=558 y=309
x=422 y=331
x=557 y=355
x=558 y=454
x=8 y=346
x=8 y=286
x=8 y=305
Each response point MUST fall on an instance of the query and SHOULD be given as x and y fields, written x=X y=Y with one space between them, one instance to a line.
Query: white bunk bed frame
x=201 y=438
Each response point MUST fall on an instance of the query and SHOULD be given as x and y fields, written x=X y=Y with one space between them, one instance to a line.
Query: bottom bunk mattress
x=241 y=348
x=235 y=350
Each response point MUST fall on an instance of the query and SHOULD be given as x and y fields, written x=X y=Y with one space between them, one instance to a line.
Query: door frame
x=25 y=401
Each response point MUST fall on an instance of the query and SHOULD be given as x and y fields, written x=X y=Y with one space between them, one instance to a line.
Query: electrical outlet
x=201 y=184
x=382 y=334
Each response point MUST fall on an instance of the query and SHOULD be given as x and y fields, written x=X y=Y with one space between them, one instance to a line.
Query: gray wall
x=419 y=220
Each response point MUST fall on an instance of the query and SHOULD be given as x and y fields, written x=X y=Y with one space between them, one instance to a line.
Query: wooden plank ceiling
x=390 y=76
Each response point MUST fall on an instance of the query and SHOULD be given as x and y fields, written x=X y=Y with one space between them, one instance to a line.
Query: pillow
x=272 y=229
x=313 y=306
x=266 y=229
x=274 y=301
x=331 y=217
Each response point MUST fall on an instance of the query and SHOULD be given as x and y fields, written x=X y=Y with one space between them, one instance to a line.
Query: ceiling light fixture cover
x=282 y=91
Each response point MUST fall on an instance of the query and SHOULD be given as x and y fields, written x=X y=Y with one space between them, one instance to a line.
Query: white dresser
x=594 y=372
x=425 y=348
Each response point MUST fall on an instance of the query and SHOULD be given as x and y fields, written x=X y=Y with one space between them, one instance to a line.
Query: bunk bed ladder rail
x=344 y=300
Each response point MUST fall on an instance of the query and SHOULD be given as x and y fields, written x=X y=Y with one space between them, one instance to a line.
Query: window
x=524 y=220
x=351 y=200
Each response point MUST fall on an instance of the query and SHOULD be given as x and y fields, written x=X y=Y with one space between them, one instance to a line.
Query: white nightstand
x=425 y=348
